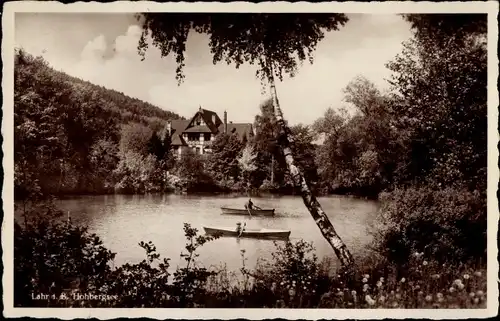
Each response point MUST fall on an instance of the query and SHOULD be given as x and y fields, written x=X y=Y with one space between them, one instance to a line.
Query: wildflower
x=314 y=291
x=436 y=276
x=291 y=292
x=480 y=293
x=466 y=276
x=281 y=283
x=403 y=280
x=381 y=299
x=366 y=276
x=420 y=293
x=340 y=293
x=452 y=289
x=395 y=305
x=382 y=279
x=273 y=286
x=461 y=286
x=369 y=300
x=478 y=273
x=365 y=280
x=457 y=282
x=398 y=296
x=353 y=292
x=476 y=300
x=428 y=298
x=379 y=284
x=424 y=263
x=305 y=288
x=472 y=294
x=417 y=287
x=440 y=297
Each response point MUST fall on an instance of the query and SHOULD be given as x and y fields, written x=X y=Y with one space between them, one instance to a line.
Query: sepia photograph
x=216 y=157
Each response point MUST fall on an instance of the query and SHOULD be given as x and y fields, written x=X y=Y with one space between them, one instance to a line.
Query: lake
x=122 y=221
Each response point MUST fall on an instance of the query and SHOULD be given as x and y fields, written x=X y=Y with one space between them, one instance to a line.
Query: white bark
x=309 y=199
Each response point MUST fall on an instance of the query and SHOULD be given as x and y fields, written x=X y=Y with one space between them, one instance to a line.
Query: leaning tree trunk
x=310 y=201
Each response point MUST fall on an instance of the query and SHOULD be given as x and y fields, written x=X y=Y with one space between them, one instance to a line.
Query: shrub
x=448 y=224
x=52 y=256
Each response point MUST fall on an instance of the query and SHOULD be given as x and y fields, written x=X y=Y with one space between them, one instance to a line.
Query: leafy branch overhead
x=286 y=40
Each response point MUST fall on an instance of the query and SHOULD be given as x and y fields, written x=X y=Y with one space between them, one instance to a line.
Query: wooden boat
x=262 y=233
x=234 y=211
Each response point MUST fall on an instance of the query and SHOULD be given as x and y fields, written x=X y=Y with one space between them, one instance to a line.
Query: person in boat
x=249 y=205
x=239 y=228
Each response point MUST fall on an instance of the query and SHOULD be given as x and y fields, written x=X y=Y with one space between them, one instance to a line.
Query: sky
x=102 y=48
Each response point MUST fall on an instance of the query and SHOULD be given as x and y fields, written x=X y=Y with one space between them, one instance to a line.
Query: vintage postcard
x=256 y=161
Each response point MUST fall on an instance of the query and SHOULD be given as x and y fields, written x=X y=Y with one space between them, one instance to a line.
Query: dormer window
x=199 y=121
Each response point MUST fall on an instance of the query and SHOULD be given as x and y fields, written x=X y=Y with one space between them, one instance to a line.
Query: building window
x=199 y=121
x=193 y=137
x=207 y=136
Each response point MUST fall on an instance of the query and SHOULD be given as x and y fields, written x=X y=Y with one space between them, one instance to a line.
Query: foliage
x=440 y=108
x=304 y=151
x=265 y=143
x=52 y=256
x=237 y=38
x=135 y=138
x=222 y=162
x=247 y=159
x=191 y=170
x=446 y=224
x=189 y=282
x=360 y=151
x=137 y=174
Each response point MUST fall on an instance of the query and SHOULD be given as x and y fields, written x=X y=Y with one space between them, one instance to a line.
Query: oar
x=248 y=209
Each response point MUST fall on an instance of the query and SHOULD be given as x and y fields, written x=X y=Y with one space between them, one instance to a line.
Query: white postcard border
x=10 y=8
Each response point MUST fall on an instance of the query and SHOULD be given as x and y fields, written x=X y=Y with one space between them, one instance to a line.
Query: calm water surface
x=124 y=221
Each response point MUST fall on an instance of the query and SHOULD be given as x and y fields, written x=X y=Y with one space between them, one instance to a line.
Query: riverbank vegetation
x=420 y=148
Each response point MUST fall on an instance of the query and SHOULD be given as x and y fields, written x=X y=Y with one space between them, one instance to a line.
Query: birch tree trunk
x=310 y=201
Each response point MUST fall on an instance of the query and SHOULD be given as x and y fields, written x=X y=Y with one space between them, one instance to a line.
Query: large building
x=201 y=129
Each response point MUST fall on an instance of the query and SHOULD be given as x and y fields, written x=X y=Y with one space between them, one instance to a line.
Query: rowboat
x=262 y=233
x=234 y=211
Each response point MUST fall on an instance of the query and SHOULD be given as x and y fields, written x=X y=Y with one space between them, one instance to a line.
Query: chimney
x=225 y=122
x=169 y=128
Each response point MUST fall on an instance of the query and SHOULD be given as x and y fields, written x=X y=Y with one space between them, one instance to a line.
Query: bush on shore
x=446 y=224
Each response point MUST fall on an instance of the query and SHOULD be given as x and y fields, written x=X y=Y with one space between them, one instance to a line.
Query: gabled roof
x=178 y=127
x=198 y=129
x=242 y=129
x=210 y=118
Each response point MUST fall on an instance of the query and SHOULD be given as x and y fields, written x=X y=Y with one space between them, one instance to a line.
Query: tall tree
x=223 y=163
x=276 y=44
x=440 y=85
